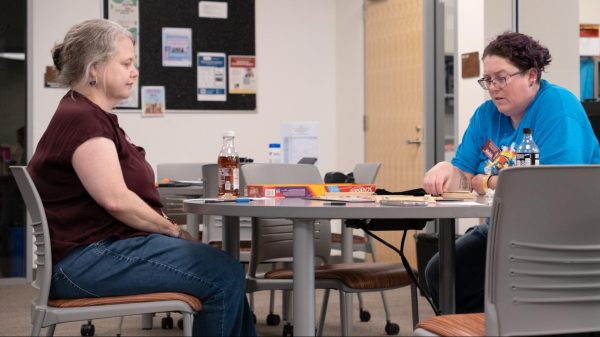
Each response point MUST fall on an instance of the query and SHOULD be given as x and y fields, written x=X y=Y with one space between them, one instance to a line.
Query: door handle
x=416 y=141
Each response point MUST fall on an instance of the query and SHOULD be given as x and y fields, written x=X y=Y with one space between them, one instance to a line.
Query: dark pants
x=470 y=271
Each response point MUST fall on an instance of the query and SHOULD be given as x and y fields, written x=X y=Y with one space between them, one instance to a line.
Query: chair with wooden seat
x=363 y=173
x=47 y=313
x=543 y=257
x=272 y=241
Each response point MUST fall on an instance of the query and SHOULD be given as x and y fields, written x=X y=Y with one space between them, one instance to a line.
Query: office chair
x=542 y=265
x=364 y=173
x=272 y=240
x=46 y=313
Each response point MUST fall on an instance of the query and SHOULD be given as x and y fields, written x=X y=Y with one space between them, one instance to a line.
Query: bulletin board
x=233 y=35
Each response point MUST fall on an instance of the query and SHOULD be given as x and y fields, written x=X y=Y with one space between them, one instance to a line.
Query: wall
x=561 y=37
x=589 y=11
x=309 y=68
x=468 y=94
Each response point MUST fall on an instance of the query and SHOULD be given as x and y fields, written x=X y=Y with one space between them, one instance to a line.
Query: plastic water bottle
x=275 y=153
x=528 y=153
x=229 y=167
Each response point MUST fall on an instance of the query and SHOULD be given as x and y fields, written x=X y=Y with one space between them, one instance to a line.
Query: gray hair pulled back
x=85 y=44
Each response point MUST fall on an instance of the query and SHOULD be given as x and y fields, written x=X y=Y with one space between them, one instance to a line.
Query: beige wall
x=589 y=11
x=556 y=24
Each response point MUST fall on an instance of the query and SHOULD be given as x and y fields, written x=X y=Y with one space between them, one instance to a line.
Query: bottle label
x=229 y=181
x=528 y=159
x=236 y=178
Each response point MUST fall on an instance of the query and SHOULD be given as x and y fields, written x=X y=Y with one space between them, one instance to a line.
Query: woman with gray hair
x=109 y=236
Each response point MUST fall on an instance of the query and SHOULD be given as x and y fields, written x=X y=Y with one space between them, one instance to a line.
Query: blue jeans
x=158 y=263
x=469 y=269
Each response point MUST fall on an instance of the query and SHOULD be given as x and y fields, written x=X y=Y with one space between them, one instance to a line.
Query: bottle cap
x=229 y=133
x=526 y=130
x=274 y=145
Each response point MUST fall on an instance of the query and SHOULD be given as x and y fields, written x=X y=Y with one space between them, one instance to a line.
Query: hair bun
x=56 y=58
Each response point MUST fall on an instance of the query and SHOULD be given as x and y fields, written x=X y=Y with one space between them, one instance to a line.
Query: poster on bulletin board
x=171 y=36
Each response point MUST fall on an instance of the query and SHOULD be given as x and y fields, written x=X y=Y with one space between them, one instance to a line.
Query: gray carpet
x=15 y=315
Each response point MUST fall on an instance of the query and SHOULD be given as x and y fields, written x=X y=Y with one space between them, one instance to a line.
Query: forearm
x=107 y=186
x=460 y=180
x=131 y=210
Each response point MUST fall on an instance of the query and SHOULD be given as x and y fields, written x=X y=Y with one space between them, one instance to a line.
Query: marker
x=335 y=203
x=216 y=201
x=243 y=200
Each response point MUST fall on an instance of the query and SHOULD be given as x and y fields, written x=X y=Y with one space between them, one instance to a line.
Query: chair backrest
x=43 y=256
x=210 y=179
x=179 y=171
x=366 y=173
x=543 y=254
x=272 y=238
x=257 y=173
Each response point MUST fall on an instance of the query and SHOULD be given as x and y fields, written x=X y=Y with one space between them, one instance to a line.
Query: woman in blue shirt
x=512 y=73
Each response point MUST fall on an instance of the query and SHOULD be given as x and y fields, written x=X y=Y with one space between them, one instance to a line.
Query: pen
x=335 y=203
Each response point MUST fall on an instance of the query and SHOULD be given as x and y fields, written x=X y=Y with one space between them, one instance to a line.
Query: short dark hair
x=520 y=50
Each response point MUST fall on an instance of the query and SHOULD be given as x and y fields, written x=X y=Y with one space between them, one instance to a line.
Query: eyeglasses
x=499 y=82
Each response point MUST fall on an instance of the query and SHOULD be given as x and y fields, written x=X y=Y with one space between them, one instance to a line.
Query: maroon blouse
x=74 y=217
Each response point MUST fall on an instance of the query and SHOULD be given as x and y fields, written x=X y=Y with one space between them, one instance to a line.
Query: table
x=304 y=212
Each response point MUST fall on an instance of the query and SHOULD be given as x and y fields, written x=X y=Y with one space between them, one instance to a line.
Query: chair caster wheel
x=88 y=329
x=167 y=323
x=365 y=315
x=392 y=328
x=273 y=319
x=180 y=323
x=288 y=330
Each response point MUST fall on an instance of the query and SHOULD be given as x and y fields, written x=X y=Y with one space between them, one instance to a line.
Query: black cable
x=407 y=266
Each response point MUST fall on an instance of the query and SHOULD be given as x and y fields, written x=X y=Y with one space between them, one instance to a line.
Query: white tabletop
x=315 y=209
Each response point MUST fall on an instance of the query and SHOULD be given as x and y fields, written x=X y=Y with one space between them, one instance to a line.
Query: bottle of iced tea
x=229 y=168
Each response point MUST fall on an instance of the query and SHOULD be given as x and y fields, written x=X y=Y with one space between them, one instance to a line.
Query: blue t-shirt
x=558 y=123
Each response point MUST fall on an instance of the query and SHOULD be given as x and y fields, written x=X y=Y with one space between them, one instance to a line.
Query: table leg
x=447 y=290
x=304 y=278
x=231 y=236
x=193 y=227
x=347 y=257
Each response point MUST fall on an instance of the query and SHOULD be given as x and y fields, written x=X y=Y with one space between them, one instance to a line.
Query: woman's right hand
x=437 y=179
x=185 y=235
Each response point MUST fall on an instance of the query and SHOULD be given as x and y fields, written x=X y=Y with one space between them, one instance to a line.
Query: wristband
x=485 y=182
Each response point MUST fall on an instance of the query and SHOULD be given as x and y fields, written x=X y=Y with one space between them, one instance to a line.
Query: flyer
x=211 y=77
x=242 y=74
x=300 y=139
x=153 y=101
x=176 y=47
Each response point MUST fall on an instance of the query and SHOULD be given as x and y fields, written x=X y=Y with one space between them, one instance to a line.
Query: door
x=394 y=100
